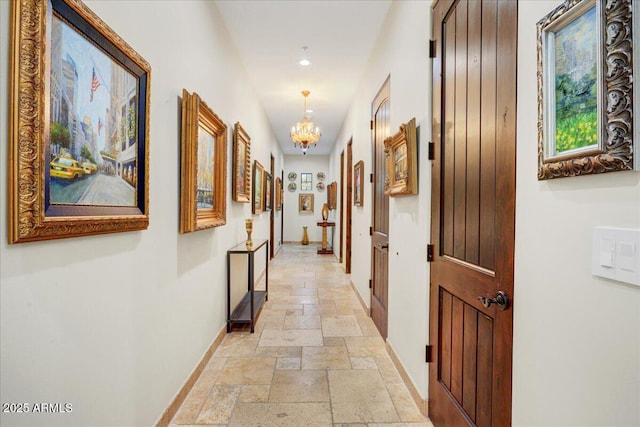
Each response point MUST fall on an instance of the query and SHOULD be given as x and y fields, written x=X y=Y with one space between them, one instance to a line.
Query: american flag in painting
x=95 y=84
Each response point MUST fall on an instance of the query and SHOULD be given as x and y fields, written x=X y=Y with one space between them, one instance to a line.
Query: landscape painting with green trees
x=576 y=86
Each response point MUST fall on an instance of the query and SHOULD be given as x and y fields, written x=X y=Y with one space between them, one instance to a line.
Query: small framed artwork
x=358 y=184
x=278 y=194
x=78 y=150
x=332 y=191
x=401 y=156
x=241 y=165
x=306 y=183
x=320 y=176
x=305 y=203
x=203 y=172
x=268 y=191
x=292 y=186
x=320 y=186
x=292 y=176
x=585 y=94
x=257 y=206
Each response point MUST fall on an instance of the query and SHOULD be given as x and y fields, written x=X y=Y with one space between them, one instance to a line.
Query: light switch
x=607 y=251
x=616 y=254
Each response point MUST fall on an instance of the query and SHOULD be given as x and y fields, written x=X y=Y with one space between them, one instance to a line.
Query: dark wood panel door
x=473 y=212
x=349 y=207
x=380 y=111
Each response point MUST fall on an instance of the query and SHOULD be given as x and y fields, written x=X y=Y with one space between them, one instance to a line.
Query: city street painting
x=203 y=166
x=93 y=132
x=585 y=91
x=79 y=142
x=241 y=165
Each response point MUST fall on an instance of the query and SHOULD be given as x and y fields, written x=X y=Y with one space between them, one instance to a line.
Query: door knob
x=501 y=300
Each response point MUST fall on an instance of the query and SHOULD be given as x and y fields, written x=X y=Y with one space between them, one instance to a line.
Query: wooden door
x=473 y=211
x=341 y=204
x=380 y=109
x=272 y=214
x=349 y=207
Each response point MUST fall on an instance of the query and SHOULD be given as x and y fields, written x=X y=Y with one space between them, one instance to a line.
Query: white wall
x=576 y=336
x=401 y=52
x=293 y=220
x=114 y=324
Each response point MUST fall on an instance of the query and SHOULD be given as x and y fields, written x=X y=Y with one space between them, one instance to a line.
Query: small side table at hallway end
x=326 y=249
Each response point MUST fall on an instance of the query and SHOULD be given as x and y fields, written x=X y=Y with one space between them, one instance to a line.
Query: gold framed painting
x=358 y=184
x=257 y=207
x=332 y=191
x=278 y=194
x=268 y=189
x=305 y=203
x=401 y=154
x=585 y=89
x=78 y=149
x=203 y=166
x=241 y=165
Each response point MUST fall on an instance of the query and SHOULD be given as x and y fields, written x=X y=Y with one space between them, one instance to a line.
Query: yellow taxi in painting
x=89 y=168
x=66 y=168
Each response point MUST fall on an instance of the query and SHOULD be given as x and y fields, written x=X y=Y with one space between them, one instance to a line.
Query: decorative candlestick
x=248 y=224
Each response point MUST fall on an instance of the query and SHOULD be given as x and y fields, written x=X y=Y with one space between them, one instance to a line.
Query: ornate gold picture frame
x=358 y=184
x=241 y=165
x=305 y=203
x=332 y=191
x=585 y=89
x=78 y=151
x=278 y=194
x=401 y=154
x=257 y=207
x=203 y=188
x=268 y=191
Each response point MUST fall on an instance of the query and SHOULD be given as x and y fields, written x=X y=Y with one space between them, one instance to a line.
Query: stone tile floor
x=315 y=359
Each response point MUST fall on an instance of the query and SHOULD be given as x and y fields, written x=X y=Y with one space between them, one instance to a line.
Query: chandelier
x=305 y=133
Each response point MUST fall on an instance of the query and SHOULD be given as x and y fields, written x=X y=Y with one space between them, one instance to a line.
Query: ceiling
x=270 y=36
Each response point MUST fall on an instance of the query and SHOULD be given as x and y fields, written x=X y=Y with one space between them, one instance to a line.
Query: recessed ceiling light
x=304 y=61
x=309 y=110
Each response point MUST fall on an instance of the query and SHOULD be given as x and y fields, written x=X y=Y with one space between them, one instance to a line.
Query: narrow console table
x=326 y=249
x=249 y=307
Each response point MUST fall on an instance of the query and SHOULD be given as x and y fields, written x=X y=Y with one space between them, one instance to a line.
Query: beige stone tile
x=405 y=406
x=215 y=363
x=302 y=322
x=295 y=312
x=189 y=410
x=279 y=352
x=254 y=393
x=360 y=396
x=334 y=342
x=367 y=326
x=288 y=363
x=282 y=414
x=284 y=306
x=340 y=326
x=238 y=344
x=365 y=346
x=219 y=405
x=299 y=386
x=328 y=309
x=304 y=299
x=304 y=292
x=247 y=371
x=388 y=370
x=325 y=358
x=416 y=424
x=292 y=337
x=205 y=382
x=363 y=363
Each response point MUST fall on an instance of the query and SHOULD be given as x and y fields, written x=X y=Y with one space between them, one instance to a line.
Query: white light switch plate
x=616 y=254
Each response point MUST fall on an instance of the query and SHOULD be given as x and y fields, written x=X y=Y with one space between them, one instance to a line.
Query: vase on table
x=325 y=212
x=248 y=225
x=305 y=236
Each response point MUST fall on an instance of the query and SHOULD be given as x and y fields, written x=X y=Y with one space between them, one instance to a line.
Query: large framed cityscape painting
x=203 y=166
x=78 y=128
x=585 y=89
